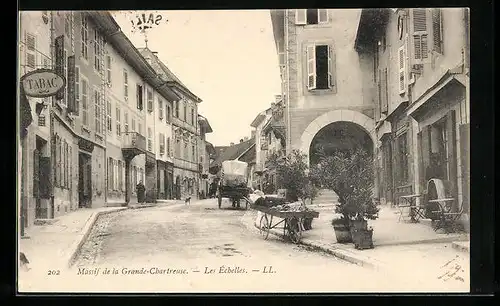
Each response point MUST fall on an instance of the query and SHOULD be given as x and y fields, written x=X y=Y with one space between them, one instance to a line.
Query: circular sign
x=400 y=27
x=42 y=83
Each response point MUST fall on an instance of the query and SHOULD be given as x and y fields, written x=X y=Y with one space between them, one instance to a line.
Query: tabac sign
x=42 y=83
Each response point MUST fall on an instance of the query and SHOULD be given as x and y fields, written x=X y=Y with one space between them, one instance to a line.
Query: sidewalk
x=412 y=248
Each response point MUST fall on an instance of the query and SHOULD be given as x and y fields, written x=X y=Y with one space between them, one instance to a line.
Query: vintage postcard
x=254 y=151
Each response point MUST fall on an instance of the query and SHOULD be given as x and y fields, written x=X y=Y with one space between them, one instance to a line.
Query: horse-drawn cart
x=233 y=183
x=292 y=221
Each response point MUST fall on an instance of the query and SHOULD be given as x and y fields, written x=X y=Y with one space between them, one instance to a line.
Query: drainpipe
x=51 y=117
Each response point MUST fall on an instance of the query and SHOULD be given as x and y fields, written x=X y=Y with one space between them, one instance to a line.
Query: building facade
x=421 y=62
x=204 y=152
x=185 y=136
x=34 y=146
x=328 y=100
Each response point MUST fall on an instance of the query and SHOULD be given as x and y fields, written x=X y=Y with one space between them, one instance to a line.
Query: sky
x=227 y=58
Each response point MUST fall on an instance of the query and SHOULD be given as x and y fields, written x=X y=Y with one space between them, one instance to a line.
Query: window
x=85 y=37
x=30 y=50
x=120 y=176
x=192 y=117
x=169 y=152
x=311 y=16
x=118 y=124
x=125 y=84
x=97 y=105
x=160 y=108
x=68 y=29
x=167 y=115
x=108 y=70
x=97 y=51
x=420 y=43
x=133 y=124
x=320 y=67
x=150 y=139
x=140 y=128
x=403 y=158
x=139 y=97
x=125 y=118
x=150 y=100
x=437 y=30
x=385 y=101
x=193 y=153
x=177 y=109
x=162 y=143
x=186 y=150
x=108 y=117
x=185 y=113
x=85 y=103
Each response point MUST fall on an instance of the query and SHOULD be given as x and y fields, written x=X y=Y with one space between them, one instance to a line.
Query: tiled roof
x=231 y=152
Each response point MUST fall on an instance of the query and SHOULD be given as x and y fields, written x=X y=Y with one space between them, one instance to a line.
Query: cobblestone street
x=199 y=237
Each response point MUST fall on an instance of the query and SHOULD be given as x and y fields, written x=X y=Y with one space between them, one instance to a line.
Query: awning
x=25 y=117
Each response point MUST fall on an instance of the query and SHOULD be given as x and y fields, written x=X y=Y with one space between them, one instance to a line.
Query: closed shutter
x=124 y=181
x=452 y=155
x=44 y=179
x=437 y=34
x=322 y=16
x=300 y=16
x=36 y=173
x=425 y=154
x=402 y=70
x=420 y=41
x=311 y=67
x=385 y=101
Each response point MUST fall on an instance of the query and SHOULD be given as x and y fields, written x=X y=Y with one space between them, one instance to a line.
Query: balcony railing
x=133 y=140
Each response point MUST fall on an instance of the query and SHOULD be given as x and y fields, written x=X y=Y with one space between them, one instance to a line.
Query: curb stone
x=77 y=245
x=337 y=253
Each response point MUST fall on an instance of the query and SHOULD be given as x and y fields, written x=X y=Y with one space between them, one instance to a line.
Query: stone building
x=205 y=149
x=34 y=146
x=327 y=96
x=421 y=70
x=185 y=134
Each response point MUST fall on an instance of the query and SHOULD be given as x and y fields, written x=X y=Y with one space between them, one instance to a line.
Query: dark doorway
x=41 y=178
x=387 y=186
x=178 y=188
x=84 y=180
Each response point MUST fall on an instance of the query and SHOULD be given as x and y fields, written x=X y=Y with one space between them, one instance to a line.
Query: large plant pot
x=342 y=232
x=359 y=224
x=362 y=238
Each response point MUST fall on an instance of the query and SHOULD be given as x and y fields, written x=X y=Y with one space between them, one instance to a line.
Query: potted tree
x=350 y=175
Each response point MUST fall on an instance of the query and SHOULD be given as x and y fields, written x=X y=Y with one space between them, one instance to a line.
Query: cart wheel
x=219 y=200
x=264 y=226
x=294 y=230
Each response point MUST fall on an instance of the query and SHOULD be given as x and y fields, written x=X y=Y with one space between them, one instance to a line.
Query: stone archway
x=363 y=121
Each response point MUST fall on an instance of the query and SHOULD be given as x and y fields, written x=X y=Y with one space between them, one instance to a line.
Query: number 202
x=53 y=272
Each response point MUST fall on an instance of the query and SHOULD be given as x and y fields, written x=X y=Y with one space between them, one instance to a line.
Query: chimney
x=231 y=144
x=241 y=140
x=155 y=53
x=245 y=138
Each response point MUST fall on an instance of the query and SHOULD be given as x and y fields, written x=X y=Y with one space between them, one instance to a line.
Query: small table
x=415 y=213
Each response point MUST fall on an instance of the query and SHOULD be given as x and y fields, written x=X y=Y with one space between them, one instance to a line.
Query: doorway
x=41 y=179
x=84 y=180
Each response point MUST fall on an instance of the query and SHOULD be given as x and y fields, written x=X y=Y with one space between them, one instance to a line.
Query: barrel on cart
x=233 y=183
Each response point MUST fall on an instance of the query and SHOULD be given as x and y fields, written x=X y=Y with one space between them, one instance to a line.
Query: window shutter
x=36 y=173
x=331 y=67
x=77 y=91
x=385 y=101
x=311 y=67
x=437 y=34
x=401 y=70
x=420 y=42
x=322 y=16
x=300 y=16
x=379 y=100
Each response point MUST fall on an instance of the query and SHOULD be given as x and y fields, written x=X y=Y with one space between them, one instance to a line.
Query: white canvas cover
x=234 y=173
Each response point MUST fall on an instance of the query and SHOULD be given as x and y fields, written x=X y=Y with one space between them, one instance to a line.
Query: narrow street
x=198 y=247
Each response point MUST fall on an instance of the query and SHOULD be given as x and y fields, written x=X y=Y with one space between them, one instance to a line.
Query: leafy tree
x=292 y=174
x=351 y=175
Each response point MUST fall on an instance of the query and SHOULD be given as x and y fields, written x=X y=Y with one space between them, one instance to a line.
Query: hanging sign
x=42 y=83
